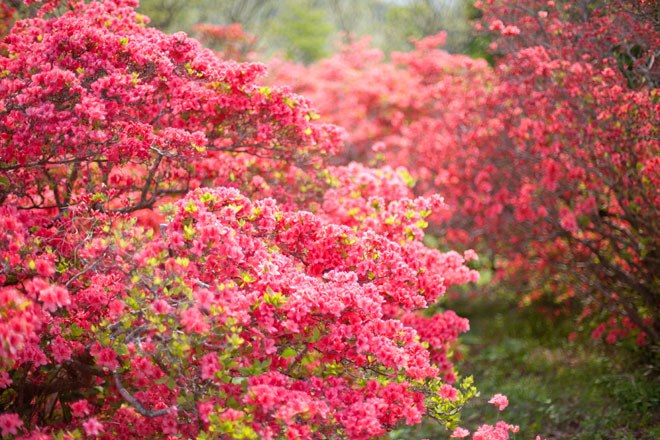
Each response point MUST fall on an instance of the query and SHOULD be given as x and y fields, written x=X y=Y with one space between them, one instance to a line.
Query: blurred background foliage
x=307 y=30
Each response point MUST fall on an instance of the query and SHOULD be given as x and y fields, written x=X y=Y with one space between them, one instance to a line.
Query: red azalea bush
x=550 y=159
x=584 y=82
x=268 y=296
x=230 y=42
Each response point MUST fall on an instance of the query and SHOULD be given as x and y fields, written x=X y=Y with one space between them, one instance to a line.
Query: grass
x=556 y=389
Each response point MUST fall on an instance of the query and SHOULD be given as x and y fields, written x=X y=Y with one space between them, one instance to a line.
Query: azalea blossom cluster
x=499 y=431
x=150 y=115
x=178 y=259
x=230 y=42
x=548 y=161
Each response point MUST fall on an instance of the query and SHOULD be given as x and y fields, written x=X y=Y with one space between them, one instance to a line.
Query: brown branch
x=139 y=407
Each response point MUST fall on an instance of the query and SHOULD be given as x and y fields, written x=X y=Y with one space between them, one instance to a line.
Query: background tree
x=175 y=15
x=304 y=30
x=421 y=18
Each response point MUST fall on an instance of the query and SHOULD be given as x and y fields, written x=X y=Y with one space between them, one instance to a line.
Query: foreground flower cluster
x=177 y=259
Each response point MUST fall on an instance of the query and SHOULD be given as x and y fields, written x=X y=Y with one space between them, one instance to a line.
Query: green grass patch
x=556 y=389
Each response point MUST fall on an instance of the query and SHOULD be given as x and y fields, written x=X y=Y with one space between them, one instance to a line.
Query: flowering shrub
x=150 y=115
x=579 y=122
x=268 y=296
x=549 y=159
x=230 y=42
x=242 y=318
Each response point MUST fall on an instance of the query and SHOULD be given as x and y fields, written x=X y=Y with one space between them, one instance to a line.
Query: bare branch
x=139 y=407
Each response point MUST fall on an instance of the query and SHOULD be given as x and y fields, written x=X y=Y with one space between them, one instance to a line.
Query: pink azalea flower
x=80 y=408
x=460 y=433
x=54 y=297
x=5 y=380
x=500 y=401
x=9 y=423
x=92 y=426
x=448 y=392
x=44 y=267
x=210 y=365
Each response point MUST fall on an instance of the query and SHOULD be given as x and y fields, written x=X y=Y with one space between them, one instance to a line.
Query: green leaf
x=316 y=335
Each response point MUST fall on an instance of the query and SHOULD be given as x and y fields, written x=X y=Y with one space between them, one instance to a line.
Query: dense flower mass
x=178 y=259
x=548 y=161
x=150 y=115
